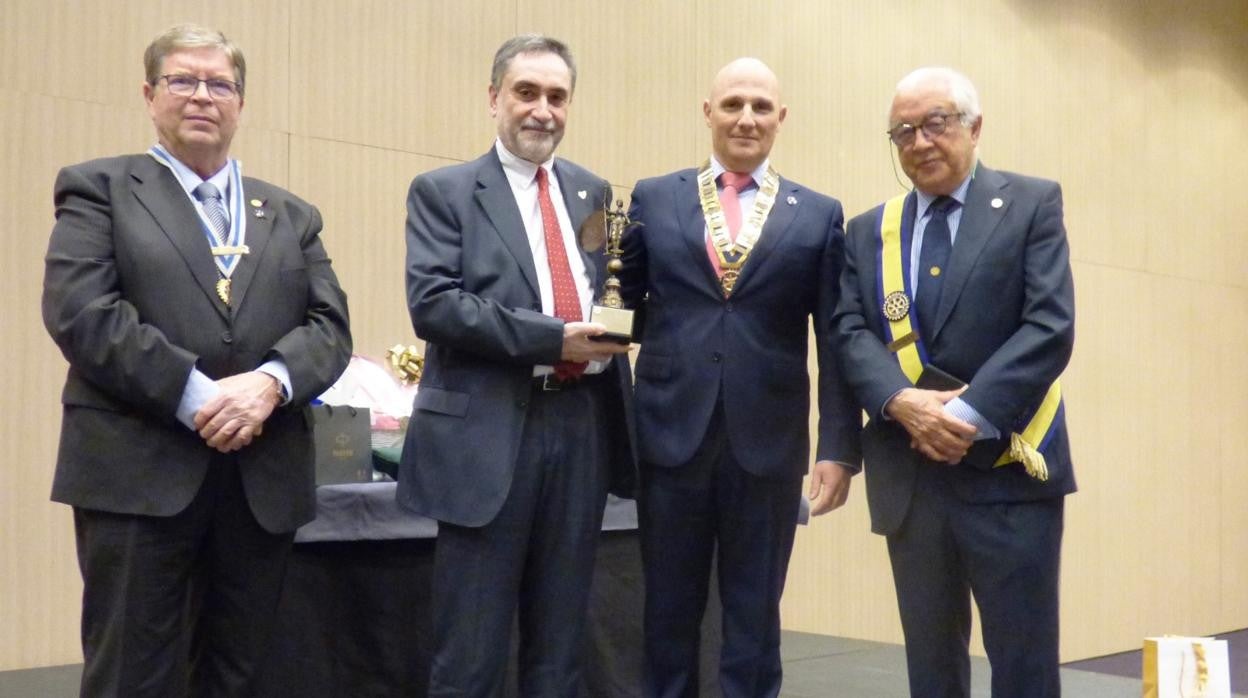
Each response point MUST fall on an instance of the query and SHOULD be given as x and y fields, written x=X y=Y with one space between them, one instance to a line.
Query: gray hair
x=189 y=36
x=959 y=88
x=528 y=43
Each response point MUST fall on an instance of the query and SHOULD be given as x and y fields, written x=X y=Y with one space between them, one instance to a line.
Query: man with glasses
x=956 y=318
x=199 y=314
x=518 y=428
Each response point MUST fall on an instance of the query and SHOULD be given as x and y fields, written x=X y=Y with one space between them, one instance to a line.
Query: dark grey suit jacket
x=129 y=297
x=473 y=296
x=1005 y=325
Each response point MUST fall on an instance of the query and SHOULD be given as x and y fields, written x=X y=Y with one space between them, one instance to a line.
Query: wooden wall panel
x=1136 y=108
x=39 y=588
x=93 y=51
x=637 y=109
x=409 y=76
x=363 y=199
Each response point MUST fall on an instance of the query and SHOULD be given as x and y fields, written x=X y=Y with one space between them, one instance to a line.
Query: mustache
x=535 y=125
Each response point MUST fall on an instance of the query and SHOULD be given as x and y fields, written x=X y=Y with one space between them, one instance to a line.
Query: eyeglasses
x=933 y=125
x=187 y=85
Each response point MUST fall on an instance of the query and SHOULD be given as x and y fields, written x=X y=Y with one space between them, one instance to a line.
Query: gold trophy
x=609 y=310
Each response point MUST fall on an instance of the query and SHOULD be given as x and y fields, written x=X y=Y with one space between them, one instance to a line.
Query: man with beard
x=518 y=426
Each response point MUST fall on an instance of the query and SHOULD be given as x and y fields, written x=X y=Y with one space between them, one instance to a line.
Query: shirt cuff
x=962 y=410
x=199 y=390
x=277 y=369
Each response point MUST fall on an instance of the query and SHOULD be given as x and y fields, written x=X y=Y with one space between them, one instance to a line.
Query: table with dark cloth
x=354 y=620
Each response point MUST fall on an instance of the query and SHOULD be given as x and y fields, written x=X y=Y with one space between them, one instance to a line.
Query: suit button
x=728 y=307
x=716 y=357
x=226 y=337
x=522 y=404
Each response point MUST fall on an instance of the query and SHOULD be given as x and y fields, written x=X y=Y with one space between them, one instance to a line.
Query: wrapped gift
x=1186 y=667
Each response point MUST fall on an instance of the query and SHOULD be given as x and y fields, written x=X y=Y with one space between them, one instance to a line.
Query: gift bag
x=343 y=449
x=1186 y=667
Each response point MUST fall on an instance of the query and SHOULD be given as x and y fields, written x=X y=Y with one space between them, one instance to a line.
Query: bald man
x=730 y=264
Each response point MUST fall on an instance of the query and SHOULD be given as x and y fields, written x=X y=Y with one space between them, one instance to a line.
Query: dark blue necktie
x=933 y=258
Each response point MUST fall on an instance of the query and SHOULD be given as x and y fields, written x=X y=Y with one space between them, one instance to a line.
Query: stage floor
x=815 y=666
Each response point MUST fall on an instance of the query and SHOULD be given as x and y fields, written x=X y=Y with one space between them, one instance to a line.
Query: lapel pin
x=792 y=200
x=256 y=203
x=997 y=203
x=581 y=194
x=259 y=213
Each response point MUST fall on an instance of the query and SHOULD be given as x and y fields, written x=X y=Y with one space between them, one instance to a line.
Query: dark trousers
x=711 y=508
x=1007 y=556
x=537 y=555
x=180 y=605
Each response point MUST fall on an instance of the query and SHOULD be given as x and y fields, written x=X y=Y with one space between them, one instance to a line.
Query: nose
x=747 y=116
x=921 y=139
x=201 y=93
x=541 y=109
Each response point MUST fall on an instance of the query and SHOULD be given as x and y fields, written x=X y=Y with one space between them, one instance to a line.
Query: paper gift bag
x=1186 y=667
x=343 y=449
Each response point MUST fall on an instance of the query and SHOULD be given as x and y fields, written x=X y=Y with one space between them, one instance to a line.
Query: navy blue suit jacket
x=1005 y=325
x=749 y=349
x=473 y=297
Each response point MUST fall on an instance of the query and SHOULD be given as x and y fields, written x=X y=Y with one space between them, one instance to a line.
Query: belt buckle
x=551 y=383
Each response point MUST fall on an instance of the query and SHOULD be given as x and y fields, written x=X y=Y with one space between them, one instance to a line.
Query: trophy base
x=618 y=321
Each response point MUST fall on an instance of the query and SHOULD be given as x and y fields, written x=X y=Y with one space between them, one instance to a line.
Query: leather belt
x=549 y=383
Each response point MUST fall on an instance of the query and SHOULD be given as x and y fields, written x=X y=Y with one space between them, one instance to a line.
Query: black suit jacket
x=1005 y=325
x=129 y=297
x=750 y=349
x=473 y=296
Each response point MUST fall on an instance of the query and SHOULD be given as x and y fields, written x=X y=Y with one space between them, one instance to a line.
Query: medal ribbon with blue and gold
x=226 y=257
x=896 y=305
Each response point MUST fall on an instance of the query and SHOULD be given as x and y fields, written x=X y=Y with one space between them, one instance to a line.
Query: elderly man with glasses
x=956 y=318
x=199 y=314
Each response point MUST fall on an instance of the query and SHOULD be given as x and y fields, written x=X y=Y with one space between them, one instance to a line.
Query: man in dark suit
x=518 y=425
x=195 y=333
x=728 y=264
x=965 y=279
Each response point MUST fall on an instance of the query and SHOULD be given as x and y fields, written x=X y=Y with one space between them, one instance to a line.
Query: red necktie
x=567 y=300
x=733 y=183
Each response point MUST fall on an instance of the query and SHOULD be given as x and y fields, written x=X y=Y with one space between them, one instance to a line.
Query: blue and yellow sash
x=895 y=302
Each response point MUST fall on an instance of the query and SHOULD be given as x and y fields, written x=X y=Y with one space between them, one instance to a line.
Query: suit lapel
x=158 y=190
x=979 y=219
x=259 y=230
x=580 y=201
x=693 y=223
x=774 y=230
x=495 y=198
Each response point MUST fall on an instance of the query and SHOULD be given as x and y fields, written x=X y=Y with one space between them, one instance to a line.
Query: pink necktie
x=733 y=183
x=567 y=301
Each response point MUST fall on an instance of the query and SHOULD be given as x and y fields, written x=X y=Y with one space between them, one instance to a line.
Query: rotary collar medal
x=732 y=255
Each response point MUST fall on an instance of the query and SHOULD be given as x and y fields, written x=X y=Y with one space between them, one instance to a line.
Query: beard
x=536 y=142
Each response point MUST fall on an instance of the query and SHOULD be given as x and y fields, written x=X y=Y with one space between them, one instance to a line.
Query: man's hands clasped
x=236 y=415
x=933 y=432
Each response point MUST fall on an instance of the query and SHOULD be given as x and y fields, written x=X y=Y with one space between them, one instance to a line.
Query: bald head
x=744 y=113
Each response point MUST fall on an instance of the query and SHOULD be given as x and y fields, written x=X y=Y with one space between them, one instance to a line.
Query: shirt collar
x=189 y=180
x=717 y=168
x=520 y=172
x=959 y=195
